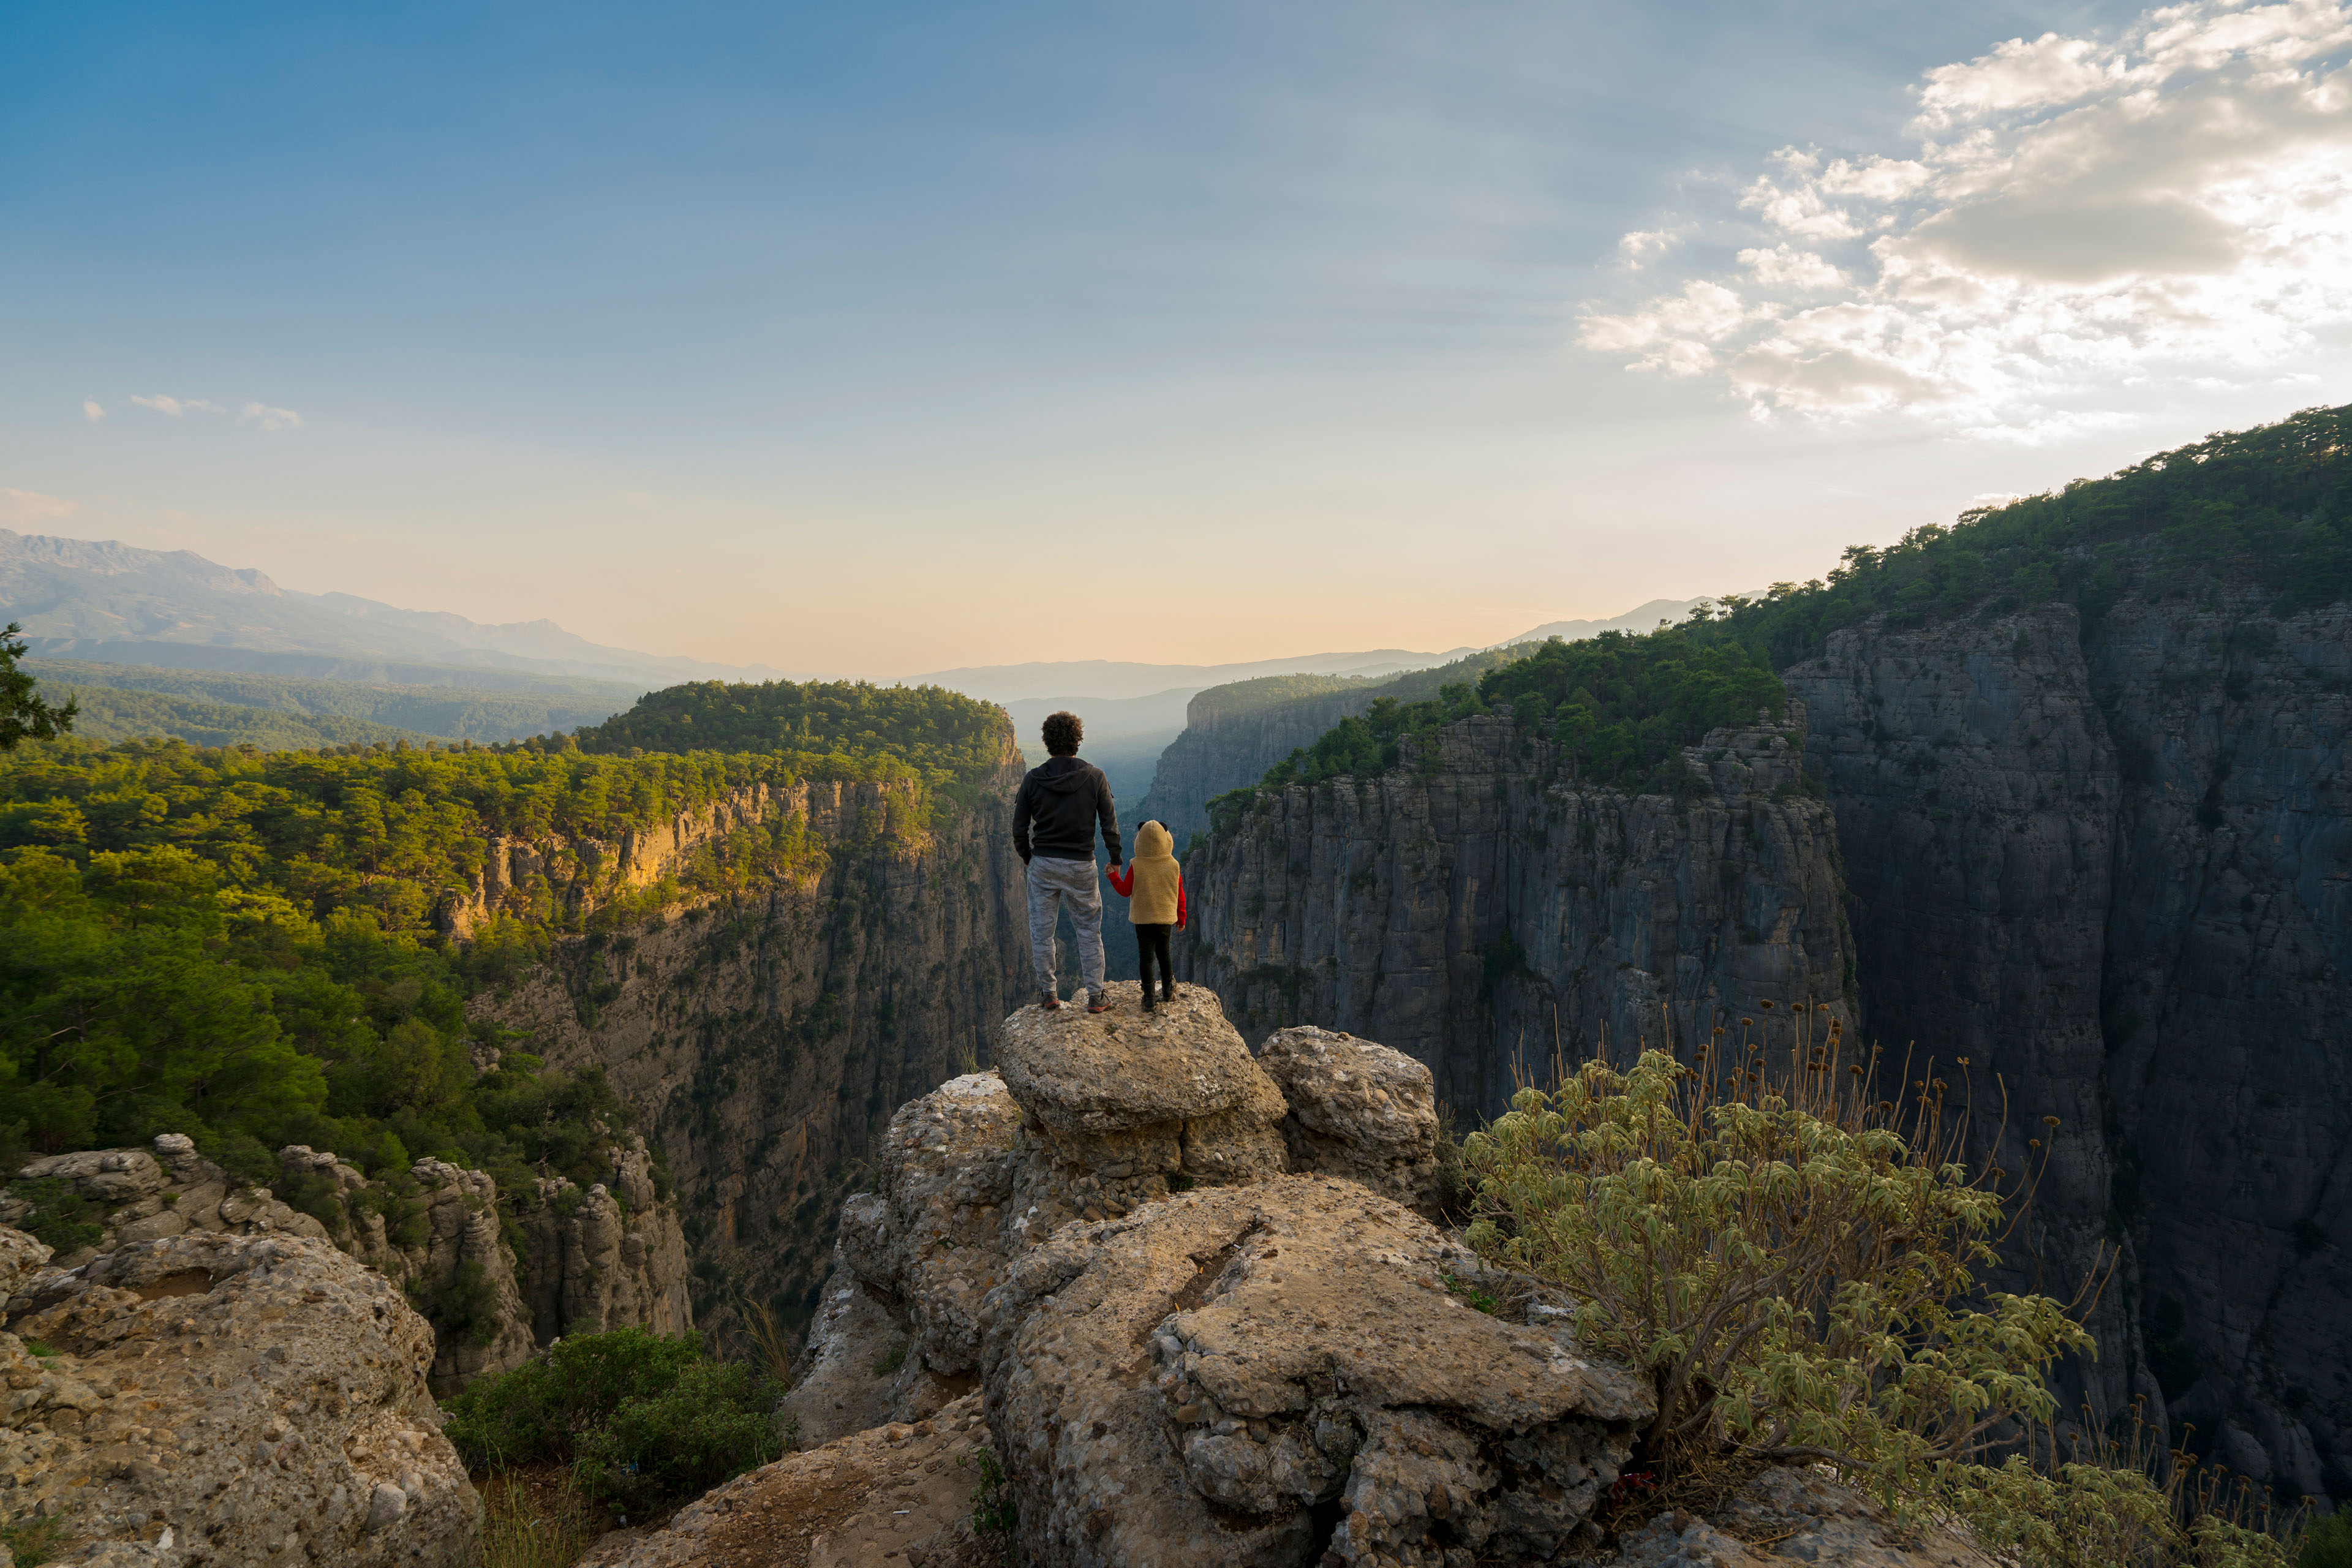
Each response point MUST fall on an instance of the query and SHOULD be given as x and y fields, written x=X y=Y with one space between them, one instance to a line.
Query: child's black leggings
x=1150 y=942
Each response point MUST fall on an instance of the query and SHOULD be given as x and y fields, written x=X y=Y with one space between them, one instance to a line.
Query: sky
x=878 y=339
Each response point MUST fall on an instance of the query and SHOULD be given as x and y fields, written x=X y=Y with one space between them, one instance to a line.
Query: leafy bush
x=1791 y=1259
x=1790 y=1267
x=643 y=1420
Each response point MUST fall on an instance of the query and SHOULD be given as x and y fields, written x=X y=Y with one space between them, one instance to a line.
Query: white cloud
x=271 y=418
x=1783 y=267
x=1670 y=333
x=31 y=506
x=2075 y=218
x=175 y=407
x=1647 y=245
x=91 y=411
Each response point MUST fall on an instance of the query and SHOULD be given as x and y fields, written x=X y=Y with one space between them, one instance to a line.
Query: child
x=1154 y=888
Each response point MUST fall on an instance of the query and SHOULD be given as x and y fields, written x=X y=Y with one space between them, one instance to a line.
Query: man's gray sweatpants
x=1050 y=882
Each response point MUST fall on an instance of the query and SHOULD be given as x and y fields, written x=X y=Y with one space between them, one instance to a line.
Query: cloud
x=175 y=407
x=271 y=418
x=1644 y=245
x=31 y=506
x=91 y=411
x=2073 y=217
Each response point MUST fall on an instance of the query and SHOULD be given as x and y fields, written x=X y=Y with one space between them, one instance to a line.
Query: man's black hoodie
x=1055 y=812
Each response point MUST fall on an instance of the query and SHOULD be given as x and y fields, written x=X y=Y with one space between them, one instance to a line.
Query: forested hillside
x=243 y=945
x=280 y=712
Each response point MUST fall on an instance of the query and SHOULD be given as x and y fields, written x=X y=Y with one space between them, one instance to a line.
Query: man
x=1054 y=819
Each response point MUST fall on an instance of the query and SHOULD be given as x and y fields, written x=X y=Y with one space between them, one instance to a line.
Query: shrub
x=1791 y=1259
x=645 y=1420
x=716 y=1421
x=1790 y=1267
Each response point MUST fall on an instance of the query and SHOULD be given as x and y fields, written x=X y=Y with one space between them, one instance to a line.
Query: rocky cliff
x=2111 y=865
x=1479 y=908
x=1234 y=733
x=767 y=1035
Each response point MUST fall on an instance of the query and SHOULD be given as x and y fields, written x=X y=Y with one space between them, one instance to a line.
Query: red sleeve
x=1180 y=897
x=1124 y=886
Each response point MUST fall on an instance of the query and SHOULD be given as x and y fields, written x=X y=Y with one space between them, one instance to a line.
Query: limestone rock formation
x=227 y=1400
x=613 y=1256
x=1119 y=1105
x=1249 y=1375
x=147 y=1196
x=1356 y=1110
x=897 y=1496
x=1479 y=908
x=1188 y=1356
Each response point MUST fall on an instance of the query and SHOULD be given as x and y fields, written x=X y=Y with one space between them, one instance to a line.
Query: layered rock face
x=2113 y=865
x=1225 y=745
x=218 y=1399
x=1191 y=1353
x=767 y=1037
x=1477 y=909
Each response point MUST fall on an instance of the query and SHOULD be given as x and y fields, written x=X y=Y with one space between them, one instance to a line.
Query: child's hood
x=1153 y=842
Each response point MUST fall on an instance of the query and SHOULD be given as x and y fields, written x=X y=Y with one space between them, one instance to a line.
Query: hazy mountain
x=102 y=600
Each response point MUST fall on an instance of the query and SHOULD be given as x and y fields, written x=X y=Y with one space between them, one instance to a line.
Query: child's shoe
x=1147 y=1001
x=1168 y=991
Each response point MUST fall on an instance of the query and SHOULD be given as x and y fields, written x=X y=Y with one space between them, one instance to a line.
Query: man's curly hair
x=1063 y=734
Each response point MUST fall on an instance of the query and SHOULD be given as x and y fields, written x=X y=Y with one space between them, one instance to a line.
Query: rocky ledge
x=210 y=1399
x=1206 y=1321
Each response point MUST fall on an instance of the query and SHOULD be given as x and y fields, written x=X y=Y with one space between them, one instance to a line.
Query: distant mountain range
x=101 y=600
x=86 y=604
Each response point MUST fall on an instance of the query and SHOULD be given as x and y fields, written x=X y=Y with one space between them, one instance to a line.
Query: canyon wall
x=1226 y=745
x=767 y=1037
x=2111 y=866
x=1478 y=907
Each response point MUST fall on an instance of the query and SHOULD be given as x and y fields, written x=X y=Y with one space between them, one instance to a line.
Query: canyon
x=2095 y=866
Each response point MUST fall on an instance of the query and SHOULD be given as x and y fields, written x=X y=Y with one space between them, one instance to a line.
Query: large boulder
x=1122 y=1107
x=223 y=1399
x=1264 y=1374
x=900 y=1496
x=1357 y=1110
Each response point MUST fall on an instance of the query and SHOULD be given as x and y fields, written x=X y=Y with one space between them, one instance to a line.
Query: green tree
x=22 y=713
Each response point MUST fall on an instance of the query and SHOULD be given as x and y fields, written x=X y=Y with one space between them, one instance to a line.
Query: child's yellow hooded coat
x=1158 y=881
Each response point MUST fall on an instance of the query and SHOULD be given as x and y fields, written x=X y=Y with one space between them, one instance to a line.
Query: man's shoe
x=1048 y=1001
x=1097 y=1002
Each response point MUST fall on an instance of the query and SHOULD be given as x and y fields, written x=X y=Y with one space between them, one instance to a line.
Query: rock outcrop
x=589 y=1261
x=150 y=1196
x=896 y=1496
x=1356 y=1110
x=1806 y=1518
x=1479 y=909
x=227 y=1400
x=1260 y=1373
x=1188 y=1353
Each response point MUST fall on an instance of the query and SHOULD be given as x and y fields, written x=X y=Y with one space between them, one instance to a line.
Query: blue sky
x=882 y=338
